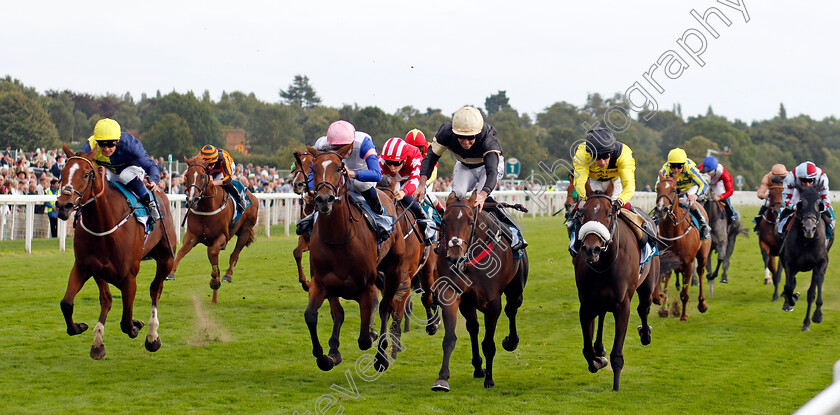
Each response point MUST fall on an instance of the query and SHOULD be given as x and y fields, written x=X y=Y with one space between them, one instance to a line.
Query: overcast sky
x=432 y=53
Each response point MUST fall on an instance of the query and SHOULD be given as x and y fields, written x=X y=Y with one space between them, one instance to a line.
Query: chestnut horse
x=209 y=216
x=300 y=185
x=805 y=248
x=675 y=227
x=607 y=274
x=475 y=268
x=768 y=239
x=345 y=259
x=109 y=246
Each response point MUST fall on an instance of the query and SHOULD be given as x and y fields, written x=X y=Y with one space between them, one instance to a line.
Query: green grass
x=251 y=352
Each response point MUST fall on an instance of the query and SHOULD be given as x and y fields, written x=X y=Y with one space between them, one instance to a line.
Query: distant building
x=235 y=140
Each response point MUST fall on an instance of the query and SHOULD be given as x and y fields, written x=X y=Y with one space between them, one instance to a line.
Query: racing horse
x=768 y=239
x=675 y=227
x=805 y=248
x=345 y=259
x=607 y=273
x=209 y=216
x=300 y=184
x=475 y=266
x=723 y=234
x=108 y=245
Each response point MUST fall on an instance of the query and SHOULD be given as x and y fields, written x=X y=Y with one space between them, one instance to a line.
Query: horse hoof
x=644 y=335
x=702 y=307
x=153 y=345
x=787 y=308
x=479 y=373
x=227 y=278
x=215 y=283
x=683 y=318
x=305 y=286
x=489 y=384
x=806 y=328
x=324 y=363
x=78 y=328
x=169 y=277
x=817 y=317
x=97 y=353
x=431 y=329
x=133 y=332
x=380 y=363
x=441 y=386
x=663 y=312
x=767 y=281
x=775 y=298
x=336 y=358
x=137 y=323
x=724 y=280
x=510 y=345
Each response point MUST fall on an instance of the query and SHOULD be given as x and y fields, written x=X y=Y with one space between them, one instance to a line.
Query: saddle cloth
x=243 y=193
x=140 y=212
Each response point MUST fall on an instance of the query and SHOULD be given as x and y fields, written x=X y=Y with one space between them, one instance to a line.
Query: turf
x=251 y=353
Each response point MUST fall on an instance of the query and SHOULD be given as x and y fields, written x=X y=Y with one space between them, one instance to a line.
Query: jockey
x=125 y=161
x=689 y=182
x=806 y=174
x=480 y=163
x=778 y=170
x=402 y=162
x=600 y=161
x=417 y=139
x=221 y=169
x=721 y=183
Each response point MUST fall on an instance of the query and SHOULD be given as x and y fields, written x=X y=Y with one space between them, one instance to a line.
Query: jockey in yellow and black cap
x=221 y=170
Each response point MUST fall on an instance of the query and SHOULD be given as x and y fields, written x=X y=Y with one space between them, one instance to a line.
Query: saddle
x=140 y=212
x=383 y=225
x=638 y=224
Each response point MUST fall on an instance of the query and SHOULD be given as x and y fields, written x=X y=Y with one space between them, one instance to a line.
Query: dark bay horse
x=723 y=234
x=805 y=249
x=768 y=238
x=344 y=261
x=474 y=269
x=675 y=227
x=607 y=274
x=300 y=184
x=209 y=216
x=109 y=245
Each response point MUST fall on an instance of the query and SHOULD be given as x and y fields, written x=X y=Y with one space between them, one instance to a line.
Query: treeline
x=179 y=124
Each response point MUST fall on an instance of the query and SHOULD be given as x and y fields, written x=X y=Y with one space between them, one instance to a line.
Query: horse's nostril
x=331 y=199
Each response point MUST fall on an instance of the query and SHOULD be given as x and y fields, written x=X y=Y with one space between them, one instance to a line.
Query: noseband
x=337 y=190
x=451 y=243
x=205 y=176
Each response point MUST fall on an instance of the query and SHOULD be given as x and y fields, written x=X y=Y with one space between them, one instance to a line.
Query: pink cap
x=341 y=133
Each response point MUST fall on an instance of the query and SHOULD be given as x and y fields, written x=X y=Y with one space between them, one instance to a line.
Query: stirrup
x=153 y=211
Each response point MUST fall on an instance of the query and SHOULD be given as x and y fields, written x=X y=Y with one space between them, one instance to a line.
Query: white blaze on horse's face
x=195 y=180
x=324 y=165
x=72 y=173
x=460 y=214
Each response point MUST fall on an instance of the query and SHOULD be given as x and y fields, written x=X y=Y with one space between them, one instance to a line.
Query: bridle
x=772 y=207
x=90 y=182
x=451 y=243
x=671 y=204
x=337 y=191
x=206 y=181
x=613 y=231
x=299 y=171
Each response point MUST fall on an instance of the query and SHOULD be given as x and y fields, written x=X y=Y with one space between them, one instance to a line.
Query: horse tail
x=250 y=235
x=743 y=231
x=668 y=262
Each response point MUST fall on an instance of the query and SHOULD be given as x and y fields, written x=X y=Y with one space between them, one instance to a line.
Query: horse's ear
x=345 y=151
x=661 y=176
x=609 y=190
x=451 y=198
x=587 y=187
x=311 y=150
x=186 y=159
x=67 y=151
x=472 y=198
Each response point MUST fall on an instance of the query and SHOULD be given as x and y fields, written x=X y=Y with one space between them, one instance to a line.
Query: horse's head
x=197 y=181
x=666 y=196
x=597 y=223
x=809 y=208
x=300 y=181
x=457 y=228
x=570 y=201
x=329 y=176
x=81 y=182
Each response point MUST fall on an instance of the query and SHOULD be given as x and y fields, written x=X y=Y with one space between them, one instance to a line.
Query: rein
x=90 y=179
x=673 y=216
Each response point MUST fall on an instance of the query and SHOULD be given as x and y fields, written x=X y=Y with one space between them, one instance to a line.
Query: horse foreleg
x=730 y=248
x=402 y=301
x=450 y=319
x=337 y=313
x=213 y=255
x=645 y=294
x=587 y=326
x=790 y=285
x=128 y=324
x=702 y=257
x=622 y=316
x=190 y=241
x=488 y=345
x=302 y=247
x=600 y=351
x=367 y=305
x=97 y=350
x=818 y=278
x=316 y=298
x=471 y=318
x=165 y=264
x=686 y=274
x=74 y=285
x=513 y=296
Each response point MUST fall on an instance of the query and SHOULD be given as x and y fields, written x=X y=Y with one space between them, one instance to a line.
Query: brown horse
x=108 y=246
x=768 y=239
x=344 y=261
x=209 y=218
x=474 y=269
x=675 y=227
x=300 y=185
x=607 y=275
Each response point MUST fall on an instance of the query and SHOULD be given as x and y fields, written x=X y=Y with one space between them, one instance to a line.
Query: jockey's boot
x=151 y=206
x=784 y=214
x=372 y=198
x=757 y=218
x=231 y=189
x=730 y=210
x=704 y=224
x=422 y=220
x=305 y=224
x=518 y=240
x=830 y=221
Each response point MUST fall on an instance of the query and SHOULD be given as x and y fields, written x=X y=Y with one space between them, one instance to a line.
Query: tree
x=272 y=126
x=204 y=126
x=169 y=135
x=60 y=109
x=496 y=102
x=128 y=113
x=782 y=112
x=301 y=93
x=24 y=123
